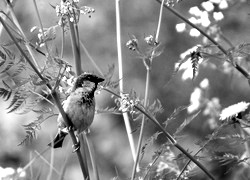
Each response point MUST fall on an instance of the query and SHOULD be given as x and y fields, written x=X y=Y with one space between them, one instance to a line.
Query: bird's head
x=88 y=81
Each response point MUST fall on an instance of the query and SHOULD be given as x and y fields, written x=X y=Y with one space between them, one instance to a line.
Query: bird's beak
x=99 y=79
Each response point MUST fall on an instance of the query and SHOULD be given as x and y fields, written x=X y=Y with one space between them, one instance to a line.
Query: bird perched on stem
x=79 y=107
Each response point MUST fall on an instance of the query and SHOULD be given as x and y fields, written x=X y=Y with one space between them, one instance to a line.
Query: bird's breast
x=80 y=109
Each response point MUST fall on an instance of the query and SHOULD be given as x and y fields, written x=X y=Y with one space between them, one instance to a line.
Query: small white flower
x=204 y=83
x=194 y=100
x=218 y=16
x=60 y=89
x=233 y=110
x=21 y=172
x=71 y=19
x=180 y=27
x=64 y=79
x=8 y=171
x=208 y=6
x=194 y=20
x=223 y=4
x=195 y=11
x=205 y=22
x=194 y=32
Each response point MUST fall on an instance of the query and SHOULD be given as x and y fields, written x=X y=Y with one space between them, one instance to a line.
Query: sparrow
x=79 y=107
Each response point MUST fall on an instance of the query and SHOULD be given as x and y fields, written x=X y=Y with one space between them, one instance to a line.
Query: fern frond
x=36 y=80
x=3 y=56
x=174 y=114
x=10 y=55
x=8 y=66
x=17 y=101
x=108 y=110
x=195 y=57
x=108 y=76
x=30 y=135
x=155 y=107
x=149 y=142
x=5 y=93
x=20 y=66
x=44 y=110
x=17 y=104
x=32 y=128
x=186 y=122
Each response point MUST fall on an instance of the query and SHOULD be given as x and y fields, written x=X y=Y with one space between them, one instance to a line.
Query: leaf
x=195 y=57
x=20 y=66
x=3 y=56
x=108 y=110
x=8 y=66
x=9 y=53
x=155 y=107
x=36 y=80
x=32 y=127
x=108 y=76
x=174 y=114
x=186 y=122
x=18 y=100
x=5 y=93
x=49 y=34
x=149 y=142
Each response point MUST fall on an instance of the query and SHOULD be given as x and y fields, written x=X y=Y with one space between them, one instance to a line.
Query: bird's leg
x=76 y=146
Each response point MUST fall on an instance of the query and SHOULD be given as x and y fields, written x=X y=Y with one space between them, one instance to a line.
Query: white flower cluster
x=233 y=110
x=196 y=97
x=203 y=16
x=10 y=173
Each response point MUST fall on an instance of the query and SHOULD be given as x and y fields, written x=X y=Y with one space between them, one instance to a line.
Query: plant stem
x=142 y=126
x=148 y=69
x=63 y=40
x=54 y=95
x=120 y=67
x=231 y=60
x=75 y=48
x=92 y=157
x=170 y=138
x=41 y=25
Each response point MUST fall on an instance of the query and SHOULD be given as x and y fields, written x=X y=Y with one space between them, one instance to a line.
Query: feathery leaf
x=185 y=123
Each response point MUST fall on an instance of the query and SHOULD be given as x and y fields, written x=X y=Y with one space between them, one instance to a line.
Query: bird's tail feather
x=58 y=140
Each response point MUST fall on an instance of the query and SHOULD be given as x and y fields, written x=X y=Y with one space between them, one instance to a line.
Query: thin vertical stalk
x=41 y=25
x=75 y=48
x=120 y=67
x=142 y=125
x=63 y=41
x=148 y=68
x=92 y=158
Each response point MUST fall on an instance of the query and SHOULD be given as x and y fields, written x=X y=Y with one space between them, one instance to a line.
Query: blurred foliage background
x=108 y=134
